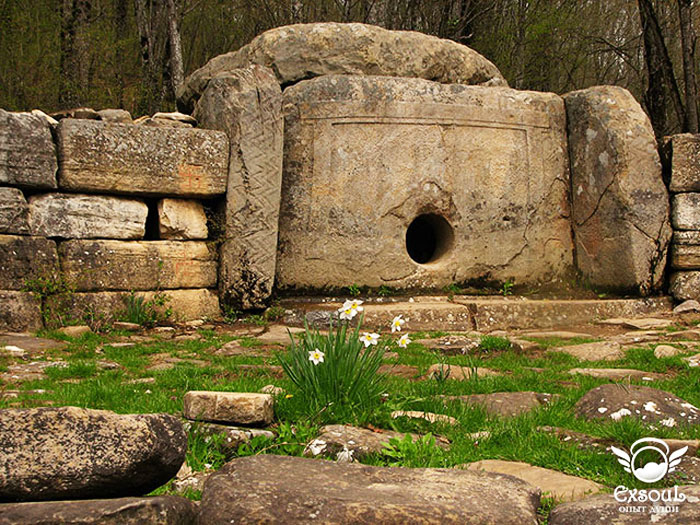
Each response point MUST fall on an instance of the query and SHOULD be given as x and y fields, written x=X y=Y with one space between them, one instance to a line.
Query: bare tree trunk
x=662 y=84
x=688 y=48
x=73 y=59
x=150 y=96
x=176 y=67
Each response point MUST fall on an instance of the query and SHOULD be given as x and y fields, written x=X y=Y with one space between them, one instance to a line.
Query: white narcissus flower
x=369 y=339
x=350 y=309
x=397 y=323
x=316 y=356
x=404 y=341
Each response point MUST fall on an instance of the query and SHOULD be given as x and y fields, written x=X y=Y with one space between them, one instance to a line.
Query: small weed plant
x=405 y=452
x=145 y=312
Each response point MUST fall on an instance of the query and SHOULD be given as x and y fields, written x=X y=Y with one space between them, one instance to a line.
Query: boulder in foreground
x=70 y=452
x=164 y=510
x=278 y=489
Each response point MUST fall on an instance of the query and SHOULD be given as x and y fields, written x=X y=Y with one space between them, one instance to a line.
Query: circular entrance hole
x=428 y=238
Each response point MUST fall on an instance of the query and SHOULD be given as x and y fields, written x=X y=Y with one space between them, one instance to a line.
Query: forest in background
x=132 y=54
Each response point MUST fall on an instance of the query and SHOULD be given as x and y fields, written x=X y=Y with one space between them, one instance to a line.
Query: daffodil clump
x=338 y=373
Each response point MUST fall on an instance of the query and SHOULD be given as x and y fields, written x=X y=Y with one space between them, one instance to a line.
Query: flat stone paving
x=597 y=333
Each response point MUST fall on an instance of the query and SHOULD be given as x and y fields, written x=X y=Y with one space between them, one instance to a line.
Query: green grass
x=83 y=383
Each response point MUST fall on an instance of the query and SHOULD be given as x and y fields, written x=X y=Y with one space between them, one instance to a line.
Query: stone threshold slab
x=484 y=314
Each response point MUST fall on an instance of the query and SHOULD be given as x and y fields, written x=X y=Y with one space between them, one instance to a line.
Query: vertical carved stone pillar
x=247 y=104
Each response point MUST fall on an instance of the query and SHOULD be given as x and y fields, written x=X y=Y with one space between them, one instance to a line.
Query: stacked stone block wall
x=682 y=167
x=93 y=210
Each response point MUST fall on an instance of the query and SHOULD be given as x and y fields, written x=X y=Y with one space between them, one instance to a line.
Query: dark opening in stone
x=428 y=238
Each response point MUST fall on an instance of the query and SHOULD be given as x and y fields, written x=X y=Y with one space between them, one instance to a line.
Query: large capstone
x=410 y=183
x=619 y=201
x=69 y=452
x=303 y=51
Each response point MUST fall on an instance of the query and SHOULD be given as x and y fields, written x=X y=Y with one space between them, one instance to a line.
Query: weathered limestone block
x=303 y=51
x=74 y=216
x=19 y=312
x=620 y=202
x=14 y=212
x=181 y=219
x=116 y=116
x=27 y=152
x=685 y=250
x=247 y=105
x=164 y=510
x=186 y=305
x=25 y=258
x=138 y=265
x=685 y=211
x=70 y=452
x=121 y=158
x=238 y=408
x=279 y=489
x=683 y=158
x=685 y=285
x=370 y=162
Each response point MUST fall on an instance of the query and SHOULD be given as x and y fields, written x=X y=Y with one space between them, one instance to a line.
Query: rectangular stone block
x=138 y=265
x=14 y=212
x=19 y=311
x=73 y=216
x=180 y=219
x=27 y=151
x=122 y=158
x=683 y=159
x=685 y=250
x=239 y=408
x=685 y=211
x=23 y=259
x=408 y=183
x=186 y=305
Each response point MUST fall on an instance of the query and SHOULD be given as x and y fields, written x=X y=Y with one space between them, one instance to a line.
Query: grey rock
x=74 y=216
x=14 y=212
x=303 y=51
x=164 y=510
x=102 y=265
x=115 y=116
x=180 y=219
x=69 y=452
x=95 y=156
x=682 y=153
x=614 y=402
x=23 y=259
x=20 y=311
x=604 y=508
x=292 y=490
x=29 y=155
x=620 y=222
x=246 y=104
